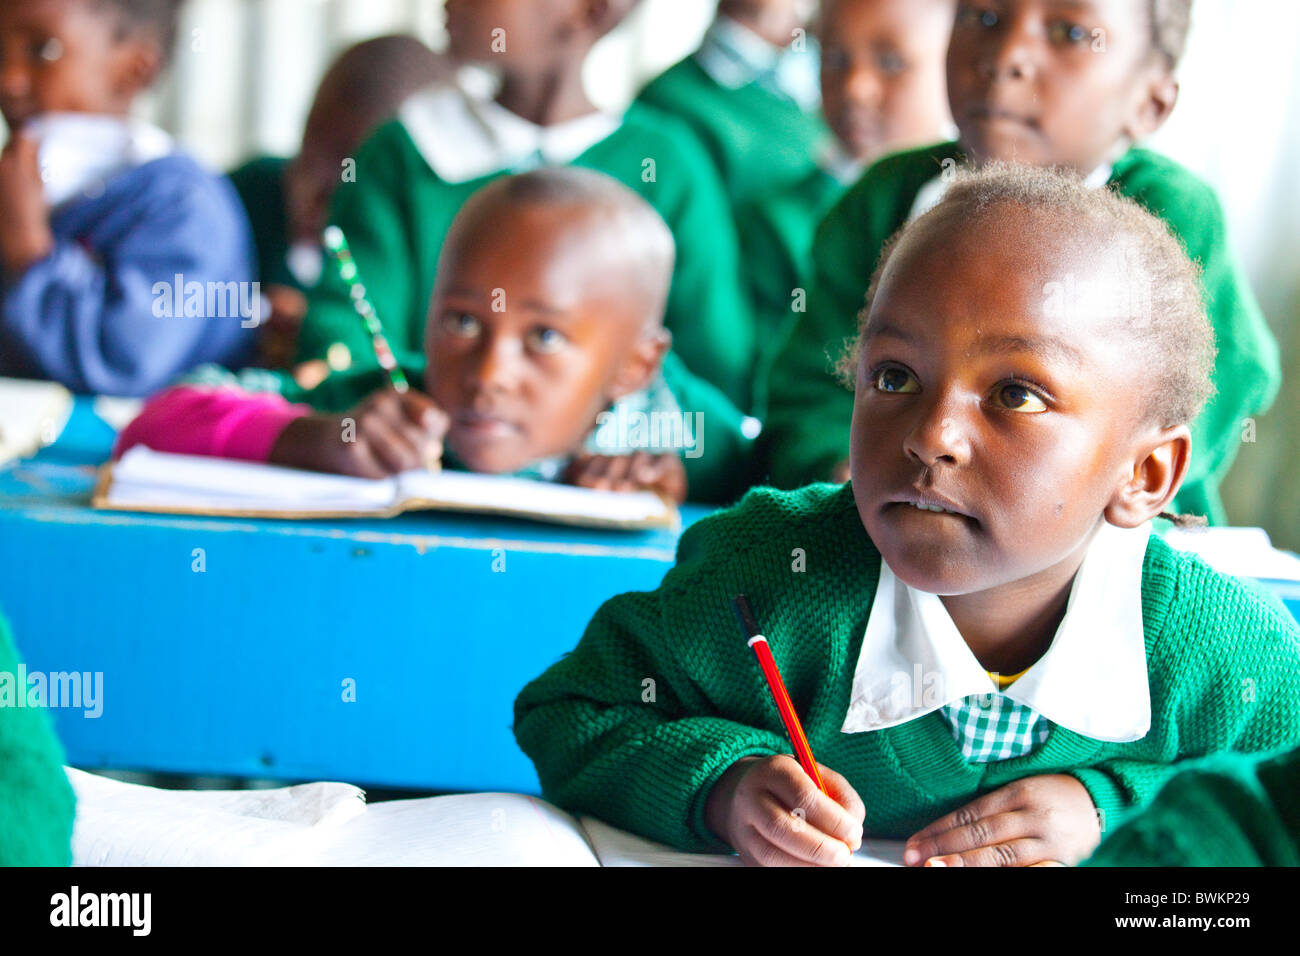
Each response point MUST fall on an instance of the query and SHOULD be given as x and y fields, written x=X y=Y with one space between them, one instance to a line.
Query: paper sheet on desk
x=145 y=480
x=124 y=824
x=32 y=414
x=617 y=847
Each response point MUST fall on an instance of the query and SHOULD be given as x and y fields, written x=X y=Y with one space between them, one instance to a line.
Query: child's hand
x=640 y=471
x=1031 y=822
x=25 y=236
x=772 y=814
x=840 y=473
x=389 y=432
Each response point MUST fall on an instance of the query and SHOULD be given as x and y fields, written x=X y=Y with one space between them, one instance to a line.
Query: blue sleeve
x=96 y=314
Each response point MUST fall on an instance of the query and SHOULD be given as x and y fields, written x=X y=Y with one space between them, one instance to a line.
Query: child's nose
x=940 y=435
x=1012 y=54
x=862 y=85
x=496 y=368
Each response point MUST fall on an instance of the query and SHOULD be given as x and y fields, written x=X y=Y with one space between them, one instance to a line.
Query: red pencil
x=749 y=626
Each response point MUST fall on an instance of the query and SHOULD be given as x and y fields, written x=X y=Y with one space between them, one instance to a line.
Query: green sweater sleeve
x=621 y=727
x=1224 y=659
x=374 y=213
x=1234 y=810
x=809 y=410
x=721 y=466
x=1247 y=369
x=36 y=800
x=708 y=312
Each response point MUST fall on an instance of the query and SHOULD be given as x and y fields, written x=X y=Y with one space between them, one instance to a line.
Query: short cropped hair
x=639 y=239
x=160 y=16
x=1170 y=22
x=1168 y=320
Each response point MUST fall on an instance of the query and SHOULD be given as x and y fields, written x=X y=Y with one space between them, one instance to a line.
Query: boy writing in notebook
x=447 y=141
x=101 y=217
x=882 y=83
x=546 y=357
x=288 y=200
x=1053 y=84
x=991 y=655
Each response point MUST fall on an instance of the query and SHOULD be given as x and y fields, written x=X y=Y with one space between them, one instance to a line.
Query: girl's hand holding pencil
x=773 y=814
x=388 y=433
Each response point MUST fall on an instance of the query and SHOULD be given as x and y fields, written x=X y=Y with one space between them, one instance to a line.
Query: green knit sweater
x=1231 y=810
x=397 y=212
x=36 y=801
x=756 y=139
x=644 y=756
x=776 y=237
x=260 y=183
x=810 y=411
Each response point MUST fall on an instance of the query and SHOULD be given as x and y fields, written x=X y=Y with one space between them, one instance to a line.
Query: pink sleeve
x=222 y=422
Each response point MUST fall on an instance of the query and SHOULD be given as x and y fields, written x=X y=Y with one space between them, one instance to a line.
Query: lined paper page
x=147 y=478
x=617 y=847
x=475 y=829
x=528 y=497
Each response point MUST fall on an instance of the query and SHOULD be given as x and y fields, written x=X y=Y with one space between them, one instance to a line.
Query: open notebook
x=32 y=414
x=145 y=480
x=330 y=824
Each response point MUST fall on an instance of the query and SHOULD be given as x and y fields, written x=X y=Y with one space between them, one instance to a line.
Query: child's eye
x=835 y=60
x=973 y=16
x=460 y=323
x=1068 y=33
x=895 y=380
x=890 y=63
x=1020 y=398
x=546 y=340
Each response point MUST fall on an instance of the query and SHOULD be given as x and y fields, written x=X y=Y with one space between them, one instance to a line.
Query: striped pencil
x=336 y=244
x=749 y=626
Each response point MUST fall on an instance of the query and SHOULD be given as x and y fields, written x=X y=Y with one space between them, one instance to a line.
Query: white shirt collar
x=734 y=56
x=1092 y=680
x=929 y=195
x=463 y=135
x=80 y=152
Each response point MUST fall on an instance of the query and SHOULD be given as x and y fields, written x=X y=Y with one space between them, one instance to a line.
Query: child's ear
x=1158 y=93
x=642 y=363
x=1157 y=476
x=137 y=64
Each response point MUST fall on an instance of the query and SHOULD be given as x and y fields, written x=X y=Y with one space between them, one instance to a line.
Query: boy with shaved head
x=544 y=339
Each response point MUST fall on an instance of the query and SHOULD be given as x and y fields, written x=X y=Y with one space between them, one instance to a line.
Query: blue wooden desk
x=241 y=668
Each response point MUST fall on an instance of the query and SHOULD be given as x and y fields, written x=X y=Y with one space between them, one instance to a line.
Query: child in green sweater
x=750 y=94
x=991 y=654
x=1230 y=810
x=882 y=89
x=546 y=358
x=1029 y=81
x=288 y=200
x=36 y=801
x=447 y=141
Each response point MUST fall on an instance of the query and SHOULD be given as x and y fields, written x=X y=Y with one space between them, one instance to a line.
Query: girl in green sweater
x=991 y=654
x=1074 y=86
